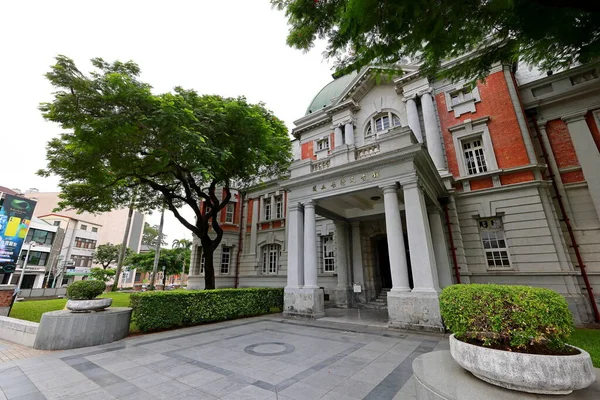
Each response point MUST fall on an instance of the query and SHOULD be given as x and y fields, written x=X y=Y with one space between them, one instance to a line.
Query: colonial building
x=401 y=186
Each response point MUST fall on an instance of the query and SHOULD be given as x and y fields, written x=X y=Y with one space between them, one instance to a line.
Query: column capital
x=410 y=182
x=295 y=207
x=428 y=91
x=412 y=97
x=309 y=204
x=392 y=188
x=574 y=116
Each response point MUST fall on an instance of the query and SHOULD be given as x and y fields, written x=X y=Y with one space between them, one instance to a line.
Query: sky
x=225 y=47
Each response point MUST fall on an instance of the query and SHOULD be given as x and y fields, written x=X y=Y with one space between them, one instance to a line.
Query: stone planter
x=88 y=305
x=532 y=373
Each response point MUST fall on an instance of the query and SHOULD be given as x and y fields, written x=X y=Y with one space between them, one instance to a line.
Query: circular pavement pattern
x=269 y=349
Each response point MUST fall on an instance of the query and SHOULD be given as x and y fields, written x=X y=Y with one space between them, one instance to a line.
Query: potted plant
x=82 y=296
x=515 y=337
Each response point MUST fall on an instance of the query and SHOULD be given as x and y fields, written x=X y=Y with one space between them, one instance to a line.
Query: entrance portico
x=371 y=188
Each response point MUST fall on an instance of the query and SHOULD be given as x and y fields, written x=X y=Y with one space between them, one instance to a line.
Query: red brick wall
x=516 y=177
x=561 y=144
x=589 y=118
x=479 y=184
x=503 y=126
x=572 y=176
x=332 y=141
x=307 y=150
x=250 y=206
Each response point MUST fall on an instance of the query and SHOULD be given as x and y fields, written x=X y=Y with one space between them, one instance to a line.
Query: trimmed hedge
x=507 y=317
x=163 y=310
x=85 y=290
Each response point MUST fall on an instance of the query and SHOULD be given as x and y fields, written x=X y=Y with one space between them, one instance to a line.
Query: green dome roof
x=330 y=92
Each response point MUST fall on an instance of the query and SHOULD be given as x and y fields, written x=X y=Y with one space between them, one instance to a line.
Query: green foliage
x=85 y=290
x=103 y=275
x=150 y=235
x=182 y=243
x=512 y=317
x=552 y=35
x=162 y=310
x=106 y=254
x=122 y=142
x=171 y=259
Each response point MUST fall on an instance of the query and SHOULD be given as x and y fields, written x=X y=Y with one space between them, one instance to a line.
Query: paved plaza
x=256 y=358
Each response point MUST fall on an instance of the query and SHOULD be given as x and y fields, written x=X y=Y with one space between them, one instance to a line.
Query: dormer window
x=382 y=122
x=462 y=100
x=323 y=144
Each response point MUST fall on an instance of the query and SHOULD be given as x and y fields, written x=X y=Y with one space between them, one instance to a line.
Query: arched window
x=382 y=122
x=270 y=258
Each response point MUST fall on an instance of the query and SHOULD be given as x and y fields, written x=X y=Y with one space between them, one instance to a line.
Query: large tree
x=121 y=141
x=150 y=235
x=552 y=34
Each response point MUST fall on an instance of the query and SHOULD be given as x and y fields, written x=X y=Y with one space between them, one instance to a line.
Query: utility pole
x=123 y=245
x=31 y=244
x=157 y=252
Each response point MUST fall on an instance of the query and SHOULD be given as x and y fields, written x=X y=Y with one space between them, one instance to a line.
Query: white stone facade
x=402 y=187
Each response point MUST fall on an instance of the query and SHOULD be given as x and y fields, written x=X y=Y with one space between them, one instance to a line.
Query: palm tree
x=182 y=244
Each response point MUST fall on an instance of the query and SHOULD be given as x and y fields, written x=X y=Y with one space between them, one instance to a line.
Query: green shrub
x=162 y=310
x=85 y=290
x=507 y=317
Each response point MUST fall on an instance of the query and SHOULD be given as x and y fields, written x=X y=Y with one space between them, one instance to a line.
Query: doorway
x=383 y=258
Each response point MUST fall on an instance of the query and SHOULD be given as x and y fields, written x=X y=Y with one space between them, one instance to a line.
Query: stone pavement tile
x=7 y=376
x=98 y=394
x=273 y=366
x=337 y=396
x=290 y=371
x=70 y=390
x=300 y=391
x=2 y=396
x=149 y=380
x=324 y=380
x=149 y=359
x=264 y=376
x=222 y=387
x=193 y=394
x=14 y=379
x=40 y=376
x=181 y=370
x=404 y=396
x=342 y=370
x=13 y=392
x=135 y=372
x=116 y=367
x=409 y=387
x=139 y=395
x=32 y=396
x=251 y=393
x=164 y=365
x=122 y=389
x=199 y=378
x=354 y=388
x=60 y=380
x=168 y=389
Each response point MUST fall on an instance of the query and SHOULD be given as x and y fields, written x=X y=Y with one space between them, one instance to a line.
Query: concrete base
x=415 y=311
x=195 y=282
x=61 y=330
x=438 y=377
x=308 y=303
x=340 y=297
x=18 y=331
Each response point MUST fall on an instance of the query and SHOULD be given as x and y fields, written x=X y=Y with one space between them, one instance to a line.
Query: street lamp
x=31 y=244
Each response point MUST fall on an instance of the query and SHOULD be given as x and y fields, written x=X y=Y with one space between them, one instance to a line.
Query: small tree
x=122 y=142
x=150 y=236
x=171 y=259
x=552 y=34
x=106 y=254
x=100 y=274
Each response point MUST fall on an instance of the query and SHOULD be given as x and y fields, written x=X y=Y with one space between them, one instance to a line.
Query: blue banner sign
x=15 y=217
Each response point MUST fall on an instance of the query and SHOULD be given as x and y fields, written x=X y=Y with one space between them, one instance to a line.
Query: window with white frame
x=270 y=258
x=229 y=210
x=323 y=143
x=267 y=208
x=328 y=253
x=460 y=96
x=474 y=156
x=202 y=262
x=462 y=100
x=382 y=122
x=225 y=260
x=494 y=243
x=279 y=207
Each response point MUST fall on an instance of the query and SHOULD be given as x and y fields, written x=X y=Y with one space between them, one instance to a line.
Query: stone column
x=395 y=239
x=310 y=246
x=419 y=240
x=342 y=291
x=440 y=248
x=254 y=226
x=357 y=265
x=273 y=213
x=587 y=154
x=295 y=239
x=339 y=138
x=434 y=140
x=413 y=118
x=349 y=133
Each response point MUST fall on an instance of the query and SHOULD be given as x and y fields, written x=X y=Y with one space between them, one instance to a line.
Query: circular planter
x=532 y=373
x=88 y=305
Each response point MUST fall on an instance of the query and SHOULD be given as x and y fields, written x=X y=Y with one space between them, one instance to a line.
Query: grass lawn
x=33 y=310
x=589 y=340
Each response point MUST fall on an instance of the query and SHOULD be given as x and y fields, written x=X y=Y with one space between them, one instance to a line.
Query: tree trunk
x=164 y=279
x=157 y=252
x=209 y=269
x=123 y=246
